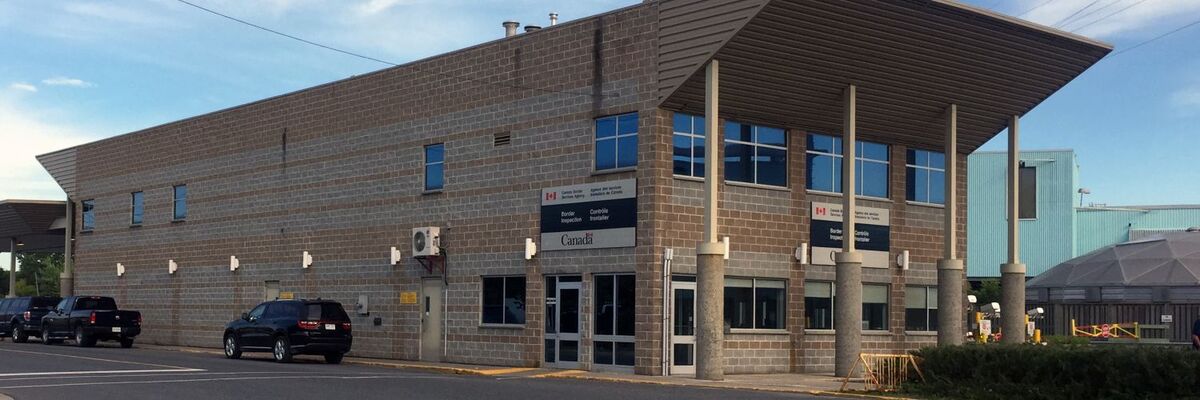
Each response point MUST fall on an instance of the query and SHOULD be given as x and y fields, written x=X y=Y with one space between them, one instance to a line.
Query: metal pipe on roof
x=510 y=28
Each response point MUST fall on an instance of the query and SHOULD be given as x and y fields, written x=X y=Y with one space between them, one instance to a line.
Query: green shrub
x=1066 y=340
x=997 y=371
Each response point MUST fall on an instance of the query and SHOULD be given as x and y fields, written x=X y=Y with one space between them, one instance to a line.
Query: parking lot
x=33 y=371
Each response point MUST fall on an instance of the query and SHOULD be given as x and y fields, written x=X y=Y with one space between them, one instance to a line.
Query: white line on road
x=221 y=379
x=119 y=371
x=186 y=373
x=93 y=359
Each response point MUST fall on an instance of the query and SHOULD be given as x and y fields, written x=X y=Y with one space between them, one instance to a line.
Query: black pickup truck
x=22 y=316
x=88 y=319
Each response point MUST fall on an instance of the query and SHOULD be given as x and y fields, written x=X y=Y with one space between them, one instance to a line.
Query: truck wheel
x=46 y=337
x=125 y=343
x=233 y=349
x=334 y=358
x=83 y=339
x=282 y=350
x=18 y=334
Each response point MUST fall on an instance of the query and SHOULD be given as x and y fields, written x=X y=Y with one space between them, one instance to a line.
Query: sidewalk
x=811 y=384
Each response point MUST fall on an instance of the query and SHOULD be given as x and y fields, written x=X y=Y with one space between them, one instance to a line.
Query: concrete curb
x=5 y=397
x=579 y=375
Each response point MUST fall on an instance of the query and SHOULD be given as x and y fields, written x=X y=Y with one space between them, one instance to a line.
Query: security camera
x=971 y=299
x=990 y=308
x=1035 y=313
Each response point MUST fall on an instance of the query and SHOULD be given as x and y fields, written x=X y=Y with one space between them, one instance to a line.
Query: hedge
x=997 y=371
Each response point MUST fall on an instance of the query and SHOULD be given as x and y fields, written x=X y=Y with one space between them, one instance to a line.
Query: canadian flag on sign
x=822 y=211
x=551 y=195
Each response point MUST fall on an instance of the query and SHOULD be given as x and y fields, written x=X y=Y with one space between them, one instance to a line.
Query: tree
x=3 y=283
x=38 y=274
x=988 y=292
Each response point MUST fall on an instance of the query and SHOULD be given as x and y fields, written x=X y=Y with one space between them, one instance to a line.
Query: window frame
x=87 y=211
x=426 y=164
x=692 y=138
x=909 y=170
x=137 y=208
x=615 y=337
x=176 y=200
x=859 y=161
x=754 y=286
x=930 y=313
x=616 y=138
x=887 y=307
x=832 y=304
x=1022 y=192
x=755 y=145
x=504 y=305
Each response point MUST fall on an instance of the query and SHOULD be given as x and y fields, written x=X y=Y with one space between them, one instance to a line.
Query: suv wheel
x=334 y=358
x=233 y=350
x=83 y=339
x=18 y=334
x=282 y=350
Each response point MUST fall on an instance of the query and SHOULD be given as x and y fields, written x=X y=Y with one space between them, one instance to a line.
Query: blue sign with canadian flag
x=872 y=234
x=590 y=216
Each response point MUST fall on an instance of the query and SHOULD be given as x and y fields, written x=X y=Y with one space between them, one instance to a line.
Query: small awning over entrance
x=37 y=225
x=788 y=62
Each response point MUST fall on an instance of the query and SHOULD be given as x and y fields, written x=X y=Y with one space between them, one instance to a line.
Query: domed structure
x=1172 y=259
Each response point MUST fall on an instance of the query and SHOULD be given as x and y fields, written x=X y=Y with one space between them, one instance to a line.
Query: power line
x=1089 y=5
x=389 y=63
x=1129 y=49
x=1034 y=8
x=1091 y=13
x=1107 y=16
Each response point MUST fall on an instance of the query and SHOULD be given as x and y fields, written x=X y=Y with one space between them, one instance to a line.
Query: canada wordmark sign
x=873 y=226
x=590 y=216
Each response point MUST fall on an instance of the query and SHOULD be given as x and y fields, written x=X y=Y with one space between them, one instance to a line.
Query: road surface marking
x=120 y=371
x=243 y=378
x=557 y=373
x=504 y=371
x=94 y=359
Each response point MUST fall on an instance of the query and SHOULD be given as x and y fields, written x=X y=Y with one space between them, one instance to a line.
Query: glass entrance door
x=683 y=325
x=562 y=321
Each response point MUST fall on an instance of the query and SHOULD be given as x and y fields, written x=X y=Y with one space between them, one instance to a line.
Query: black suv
x=289 y=327
x=21 y=317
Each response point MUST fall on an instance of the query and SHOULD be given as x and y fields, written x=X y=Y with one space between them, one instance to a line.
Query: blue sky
x=77 y=71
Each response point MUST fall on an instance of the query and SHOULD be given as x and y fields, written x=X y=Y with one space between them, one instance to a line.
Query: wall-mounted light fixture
x=234 y=263
x=530 y=248
x=120 y=270
x=902 y=260
x=726 y=241
x=172 y=267
x=396 y=257
x=306 y=260
x=802 y=254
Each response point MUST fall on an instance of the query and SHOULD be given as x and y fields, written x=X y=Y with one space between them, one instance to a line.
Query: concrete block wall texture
x=337 y=171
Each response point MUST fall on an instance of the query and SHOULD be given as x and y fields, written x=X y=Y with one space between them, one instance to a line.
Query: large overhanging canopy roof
x=788 y=61
x=38 y=225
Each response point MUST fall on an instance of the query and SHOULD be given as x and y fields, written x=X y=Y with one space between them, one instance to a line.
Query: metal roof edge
x=716 y=50
x=21 y=201
x=1108 y=47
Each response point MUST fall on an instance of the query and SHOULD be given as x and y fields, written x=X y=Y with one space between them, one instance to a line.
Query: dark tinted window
x=4 y=306
x=95 y=303
x=284 y=309
x=20 y=305
x=1028 y=192
x=503 y=300
x=87 y=214
x=136 y=207
x=44 y=302
x=326 y=312
x=180 y=200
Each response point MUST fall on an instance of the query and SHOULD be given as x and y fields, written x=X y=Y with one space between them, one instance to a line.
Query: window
x=689 y=145
x=818 y=305
x=257 y=312
x=180 y=202
x=1028 y=193
x=284 y=309
x=875 y=307
x=616 y=315
x=754 y=303
x=926 y=176
x=135 y=209
x=616 y=141
x=920 y=308
x=755 y=154
x=435 y=166
x=504 y=300
x=825 y=166
x=88 y=208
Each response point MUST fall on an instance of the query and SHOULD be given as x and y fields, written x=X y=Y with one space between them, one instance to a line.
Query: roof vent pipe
x=531 y=28
x=553 y=19
x=510 y=28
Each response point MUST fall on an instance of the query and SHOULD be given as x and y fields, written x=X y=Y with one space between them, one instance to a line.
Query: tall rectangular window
x=926 y=176
x=818 y=305
x=435 y=166
x=616 y=142
x=1028 y=192
x=824 y=155
x=875 y=307
x=755 y=303
x=920 y=308
x=88 y=214
x=755 y=154
x=616 y=313
x=503 y=300
x=136 y=207
x=179 y=200
x=688 y=142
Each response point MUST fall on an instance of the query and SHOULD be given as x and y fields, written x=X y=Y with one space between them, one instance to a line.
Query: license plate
x=116 y=329
x=330 y=327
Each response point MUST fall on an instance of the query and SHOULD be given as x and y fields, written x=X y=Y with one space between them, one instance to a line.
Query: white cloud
x=65 y=81
x=1187 y=99
x=23 y=86
x=1109 y=18
x=26 y=132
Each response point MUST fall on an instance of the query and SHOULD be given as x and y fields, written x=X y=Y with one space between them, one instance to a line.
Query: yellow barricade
x=884 y=372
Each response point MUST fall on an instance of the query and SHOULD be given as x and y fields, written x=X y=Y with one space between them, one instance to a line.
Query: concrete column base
x=950 y=302
x=1012 y=303
x=66 y=285
x=847 y=312
x=710 y=311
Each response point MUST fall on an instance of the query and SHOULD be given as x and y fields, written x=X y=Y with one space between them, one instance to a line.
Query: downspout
x=668 y=254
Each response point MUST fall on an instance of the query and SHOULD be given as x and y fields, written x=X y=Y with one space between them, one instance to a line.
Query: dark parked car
x=21 y=317
x=88 y=319
x=290 y=327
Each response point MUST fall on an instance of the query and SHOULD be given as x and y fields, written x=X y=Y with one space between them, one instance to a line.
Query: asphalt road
x=32 y=371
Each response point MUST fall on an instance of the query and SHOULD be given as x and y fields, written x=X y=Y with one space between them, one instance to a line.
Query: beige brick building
x=471 y=141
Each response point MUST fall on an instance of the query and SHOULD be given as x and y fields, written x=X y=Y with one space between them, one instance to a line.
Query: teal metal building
x=1055 y=225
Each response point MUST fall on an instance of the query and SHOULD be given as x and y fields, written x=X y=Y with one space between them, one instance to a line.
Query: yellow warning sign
x=408 y=297
x=287 y=296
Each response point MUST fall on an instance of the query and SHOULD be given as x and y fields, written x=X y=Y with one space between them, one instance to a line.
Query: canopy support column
x=12 y=267
x=1012 y=274
x=710 y=261
x=950 y=268
x=66 y=281
x=847 y=320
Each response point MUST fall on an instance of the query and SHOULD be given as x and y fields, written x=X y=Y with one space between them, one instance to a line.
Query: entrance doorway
x=431 y=319
x=683 y=325
x=562 y=320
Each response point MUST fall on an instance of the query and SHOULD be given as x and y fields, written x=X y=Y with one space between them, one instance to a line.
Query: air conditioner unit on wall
x=425 y=241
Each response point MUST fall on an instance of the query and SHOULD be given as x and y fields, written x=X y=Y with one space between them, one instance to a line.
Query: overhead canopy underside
x=37 y=225
x=788 y=62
